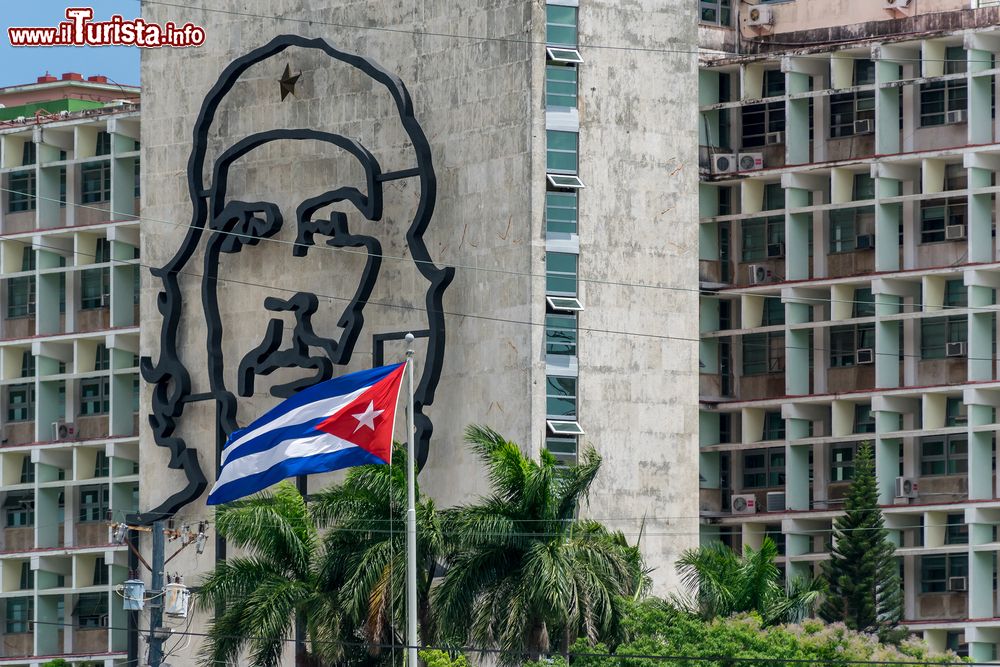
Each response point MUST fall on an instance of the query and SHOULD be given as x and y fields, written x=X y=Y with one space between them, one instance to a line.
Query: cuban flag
x=344 y=422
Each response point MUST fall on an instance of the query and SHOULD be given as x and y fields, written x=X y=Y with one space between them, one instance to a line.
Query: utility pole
x=156 y=608
x=411 y=515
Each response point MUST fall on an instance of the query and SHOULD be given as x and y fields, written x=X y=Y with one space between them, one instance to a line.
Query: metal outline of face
x=170 y=377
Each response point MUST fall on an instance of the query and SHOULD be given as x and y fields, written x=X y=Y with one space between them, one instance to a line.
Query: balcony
x=17 y=644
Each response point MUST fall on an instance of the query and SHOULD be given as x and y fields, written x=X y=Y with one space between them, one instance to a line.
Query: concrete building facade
x=566 y=201
x=69 y=385
x=849 y=275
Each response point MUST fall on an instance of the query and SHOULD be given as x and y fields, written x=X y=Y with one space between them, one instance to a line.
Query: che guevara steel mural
x=220 y=226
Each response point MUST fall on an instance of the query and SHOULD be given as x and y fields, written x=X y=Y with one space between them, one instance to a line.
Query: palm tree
x=722 y=583
x=521 y=567
x=336 y=566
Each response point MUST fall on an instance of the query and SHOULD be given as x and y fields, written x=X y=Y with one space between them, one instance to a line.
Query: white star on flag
x=367 y=418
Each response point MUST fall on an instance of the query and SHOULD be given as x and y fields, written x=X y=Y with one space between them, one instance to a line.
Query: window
x=957 y=531
x=763 y=353
x=103 y=143
x=760 y=119
x=21 y=196
x=94 y=397
x=846 y=224
x=27 y=470
x=27 y=578
x=29 y=153
x=560 y=273
x=20 y=510
x=955 y=641
x=560 y=334
x=842 y=462
x=955 y=294
x=774 y=197
x=938 y=98
x=560 y=212
x=20 y=613
x=935 y=571
x=62 y=187
x=102 y=465
x=100 y=571
x=774 y=311
x=846 y=109
x=956 y=413
x=137 y=180
x=560 y=396
x=717 y=12
x=937 y=332
x=758 y=233
x=92 y=610
x=21 y=403
x=21 y=296
x=560 y=86
x=102 y=358
x=944 y=455
x=864 y=187
x=864 y=418
x=95 y=284
x=95 y=182
x=93 y=503
x=564 y=449
x=560 y=25
x=774 y=426
x=936 y=214
x=561 y=151
x=764 y=468
x=845 y=341
x=864 y=303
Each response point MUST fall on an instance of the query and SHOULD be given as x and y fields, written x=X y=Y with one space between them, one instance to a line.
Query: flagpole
x=411 y=515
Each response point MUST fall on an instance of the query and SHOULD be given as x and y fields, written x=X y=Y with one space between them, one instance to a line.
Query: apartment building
x=849 y=274
x=69 y=343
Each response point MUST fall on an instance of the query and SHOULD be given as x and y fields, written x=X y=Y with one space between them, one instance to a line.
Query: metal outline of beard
x=236 y=225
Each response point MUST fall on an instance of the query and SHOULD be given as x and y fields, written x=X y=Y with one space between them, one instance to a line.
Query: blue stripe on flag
x=308 y=465
x=269 y=439
x=345 y=384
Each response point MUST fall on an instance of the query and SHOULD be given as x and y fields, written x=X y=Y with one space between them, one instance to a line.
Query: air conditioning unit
x=20 y=119
x=954 y=116
x=865 y=355
x=772 y=138
x=864 y=126
x=743 y=504
x=906 y=487
x=956 y=349
x=63 y=430
x=759 y=15
x=958 y=583
x=750 y=161
x=775 y=501
x=723 y=163
x=760 y=274
x=895 y=4
x=954 y=232
x=864 y=242
x=775 y=250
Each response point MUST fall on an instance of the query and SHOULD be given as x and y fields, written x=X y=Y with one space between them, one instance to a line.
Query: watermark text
x=81 y=30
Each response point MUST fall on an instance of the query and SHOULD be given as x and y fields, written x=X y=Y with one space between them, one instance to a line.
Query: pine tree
x=862 y=577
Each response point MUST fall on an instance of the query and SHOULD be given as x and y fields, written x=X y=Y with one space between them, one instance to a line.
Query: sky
x=25 y=64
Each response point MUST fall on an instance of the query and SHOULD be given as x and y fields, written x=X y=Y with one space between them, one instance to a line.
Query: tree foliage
x=524 y=573
x=862 y=576
x=722 y=583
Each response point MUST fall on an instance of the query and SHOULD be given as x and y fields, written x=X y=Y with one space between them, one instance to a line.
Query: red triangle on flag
x=368 y=420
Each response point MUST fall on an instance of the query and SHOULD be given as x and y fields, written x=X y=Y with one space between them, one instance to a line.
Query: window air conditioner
x=723 y=163
x=956 y=349
x=864 y=242
x=954 y=232
x=954 y=116
x=744 y=504
x=895 y=4
x=775 y=501
x=958 y=583
x=775 y=250
x=750 y=161
x=63 y=430
x=760 y=274
x=772 y=138
x=864 y=126
x=906 y=487
x=865 y=355
x=759 y=15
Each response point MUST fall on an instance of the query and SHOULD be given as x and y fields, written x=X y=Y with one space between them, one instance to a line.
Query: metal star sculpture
x=287 y=82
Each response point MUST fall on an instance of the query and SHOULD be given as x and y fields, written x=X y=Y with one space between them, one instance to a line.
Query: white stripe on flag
x=321 y=443
x=326 y=407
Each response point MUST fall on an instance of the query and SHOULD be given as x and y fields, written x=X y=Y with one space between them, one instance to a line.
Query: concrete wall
x=481 y=105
